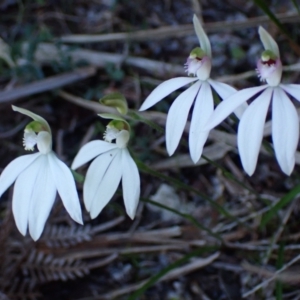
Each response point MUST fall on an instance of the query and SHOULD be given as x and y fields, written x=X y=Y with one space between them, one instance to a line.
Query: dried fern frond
x=45 y=267
x=22 y=289
x=12 y=254
x=63 y=236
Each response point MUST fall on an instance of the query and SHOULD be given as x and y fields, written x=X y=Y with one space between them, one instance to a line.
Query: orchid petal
x=94 y=176
x=203 y=108
x=90 y=151
x=250 y=131
x=21 y=200
x=14 y=168
x=285 y=130
x=107 y=185
x=292 y=89
x=32 y=115
x=177 y=116
x=268 y=42
x=23 y=189
x=65 y=184
x=42 y=197
x=130 y=183
x=224 y=91
x=164 y=89
x=202 y=37
x=225 y=108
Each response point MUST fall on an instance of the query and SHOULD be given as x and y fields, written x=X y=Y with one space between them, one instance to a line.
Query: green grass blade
x=185 y=216
x=142 y=167
x=265 y=8
x=279 y=205
x=230 y=176
x=296 y=5
x=137 y=117
x=166 y=270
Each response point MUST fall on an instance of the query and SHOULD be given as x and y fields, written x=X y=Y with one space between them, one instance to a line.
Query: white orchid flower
x=200 y=93
x=111 y=164
x=37 y=177
x=285 y=122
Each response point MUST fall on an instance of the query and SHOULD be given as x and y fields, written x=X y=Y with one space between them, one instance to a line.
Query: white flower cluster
x=285 y=122
x=39 y=176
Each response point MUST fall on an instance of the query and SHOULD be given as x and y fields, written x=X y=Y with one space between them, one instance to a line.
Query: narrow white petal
x=32 y=115
x=285 y=130
x=23 y=189
x=14 y=168
x=202 y=37
x=65 y=184
x=292 y=89
x=42 y=198
x=177 y=116
x=250 y=132
x=268 y=42
x=164 y=89
x=225 y=108
x=107 y=185
x=130 y=183
x=90 y=151
x=203 y=108
x=94 y=176
x=224 y=91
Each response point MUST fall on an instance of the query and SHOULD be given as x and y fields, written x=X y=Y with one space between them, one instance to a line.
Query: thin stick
x=175 y=31
x=47 y=84
x=267 y=281
x=279 y=231
x=121 y=250
x=175 y=273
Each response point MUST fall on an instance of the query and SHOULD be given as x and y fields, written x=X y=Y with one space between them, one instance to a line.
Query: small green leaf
x=116 y=100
